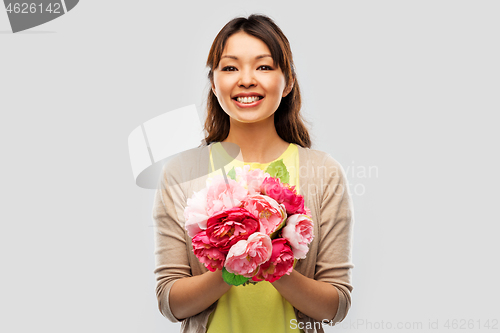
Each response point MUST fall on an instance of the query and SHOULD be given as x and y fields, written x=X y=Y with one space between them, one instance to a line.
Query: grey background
x=408 y=87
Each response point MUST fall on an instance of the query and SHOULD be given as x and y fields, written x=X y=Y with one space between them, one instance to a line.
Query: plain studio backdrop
x=404 y=94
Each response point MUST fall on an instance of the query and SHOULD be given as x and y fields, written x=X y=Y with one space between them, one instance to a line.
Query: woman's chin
x=253 y=120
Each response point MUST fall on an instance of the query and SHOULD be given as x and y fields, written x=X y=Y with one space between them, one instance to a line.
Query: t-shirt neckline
x=285 y=154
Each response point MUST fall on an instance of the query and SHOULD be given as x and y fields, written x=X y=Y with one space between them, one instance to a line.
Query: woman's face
x=248 y=86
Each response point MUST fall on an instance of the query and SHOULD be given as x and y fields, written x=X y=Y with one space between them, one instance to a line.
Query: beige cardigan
x=325 y=189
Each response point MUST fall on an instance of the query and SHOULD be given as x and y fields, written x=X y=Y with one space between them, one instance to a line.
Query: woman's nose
x=247 y=79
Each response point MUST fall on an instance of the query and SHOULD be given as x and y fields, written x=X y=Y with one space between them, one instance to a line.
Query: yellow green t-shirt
x=260 y=307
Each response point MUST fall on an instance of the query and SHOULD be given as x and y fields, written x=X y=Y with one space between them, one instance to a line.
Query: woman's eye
x=229 y=68
x=266 y=68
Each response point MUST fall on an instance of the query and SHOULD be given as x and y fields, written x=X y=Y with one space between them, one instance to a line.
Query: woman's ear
x=213 y=90
x=288 y=88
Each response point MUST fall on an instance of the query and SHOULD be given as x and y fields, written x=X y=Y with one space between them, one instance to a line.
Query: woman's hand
x=191 y=295
x=316 y=299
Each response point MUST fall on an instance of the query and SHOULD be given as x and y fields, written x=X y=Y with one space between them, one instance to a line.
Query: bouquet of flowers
x=251 y=225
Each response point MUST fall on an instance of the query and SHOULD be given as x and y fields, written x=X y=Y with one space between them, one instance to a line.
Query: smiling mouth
x=248 y=100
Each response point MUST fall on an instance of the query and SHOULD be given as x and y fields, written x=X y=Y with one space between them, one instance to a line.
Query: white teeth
x=248 y=99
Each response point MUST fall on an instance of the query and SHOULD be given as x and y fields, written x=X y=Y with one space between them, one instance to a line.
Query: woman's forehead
x=242 y=45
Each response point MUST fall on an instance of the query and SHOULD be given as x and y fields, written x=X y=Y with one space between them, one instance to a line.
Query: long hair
x=287 y=118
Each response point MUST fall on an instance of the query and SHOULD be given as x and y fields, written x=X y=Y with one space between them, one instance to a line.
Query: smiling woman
x=252 y=57
x=255 y=104
x=248 y=85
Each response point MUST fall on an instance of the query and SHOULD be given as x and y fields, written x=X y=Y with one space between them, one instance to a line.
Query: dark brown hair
x=287 y=118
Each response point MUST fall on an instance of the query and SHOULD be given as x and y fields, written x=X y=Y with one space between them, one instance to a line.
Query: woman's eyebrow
x=236 y=58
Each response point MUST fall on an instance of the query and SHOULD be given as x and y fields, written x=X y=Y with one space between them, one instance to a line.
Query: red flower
x=227 y=227
x=210 y=256
x=280 y=263
x=284 y=194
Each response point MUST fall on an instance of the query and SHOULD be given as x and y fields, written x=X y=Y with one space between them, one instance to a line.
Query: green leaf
x=278 y=169
x=232 y=174
x=233 y=279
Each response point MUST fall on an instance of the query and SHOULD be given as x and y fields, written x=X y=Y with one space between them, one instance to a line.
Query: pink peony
x=269 y=212
x=206 y=253
x=299 y=232
x=245 y=256
x=283 y=194
x=227 y=227
x=280 y=263
x=221 y=196
x=250 y=179
x=215 y=197
x=272 y=187
x=195 y=213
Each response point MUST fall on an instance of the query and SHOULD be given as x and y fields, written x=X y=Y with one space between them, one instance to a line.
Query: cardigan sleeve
x=333 y=263
x=171 y=258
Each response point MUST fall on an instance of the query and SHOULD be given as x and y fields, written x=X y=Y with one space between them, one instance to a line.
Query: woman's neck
x=259 y=142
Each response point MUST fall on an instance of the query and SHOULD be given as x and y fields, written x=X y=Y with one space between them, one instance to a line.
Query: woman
x=254 y=103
